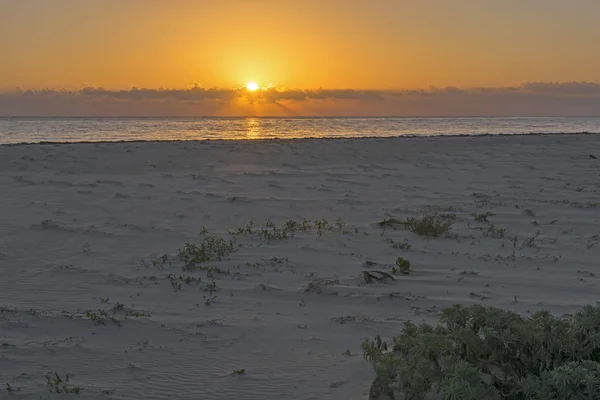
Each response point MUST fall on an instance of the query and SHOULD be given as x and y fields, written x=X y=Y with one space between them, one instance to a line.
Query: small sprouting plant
x=10 y=389
x=239 y=371
x=101 y=317
x=346 y=319
x=104 y=300
x=161 y=261
x=402 y=266
x=483 y=217
x=210 y=288
x=209 y=300
x=60 y=385
x=118 y=307
x=137 y=314
x=402 y=246
x=530 y=241
x=492 y=231
x=177 y=281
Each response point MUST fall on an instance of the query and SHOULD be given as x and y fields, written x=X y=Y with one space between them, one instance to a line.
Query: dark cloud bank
x=528 y=99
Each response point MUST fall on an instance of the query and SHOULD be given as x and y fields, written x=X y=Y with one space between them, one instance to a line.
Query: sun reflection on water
x=254 y=129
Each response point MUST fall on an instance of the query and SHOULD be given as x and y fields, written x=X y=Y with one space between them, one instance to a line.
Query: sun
x=252 y=86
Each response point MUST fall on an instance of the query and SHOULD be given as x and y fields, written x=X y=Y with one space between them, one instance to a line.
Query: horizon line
x=283 y=117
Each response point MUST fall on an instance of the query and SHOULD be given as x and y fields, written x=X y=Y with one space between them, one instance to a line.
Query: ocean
x=33 y=130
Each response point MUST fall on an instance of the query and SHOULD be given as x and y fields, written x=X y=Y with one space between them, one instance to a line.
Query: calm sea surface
x=31 y=130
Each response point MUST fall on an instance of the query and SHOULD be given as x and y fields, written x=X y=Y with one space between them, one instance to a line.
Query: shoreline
x=276 y=139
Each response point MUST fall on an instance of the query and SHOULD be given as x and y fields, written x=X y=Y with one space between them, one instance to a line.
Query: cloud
x=563 y=88
x=530 y=99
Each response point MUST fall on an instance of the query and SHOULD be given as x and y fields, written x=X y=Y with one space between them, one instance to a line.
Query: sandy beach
x=92 y=283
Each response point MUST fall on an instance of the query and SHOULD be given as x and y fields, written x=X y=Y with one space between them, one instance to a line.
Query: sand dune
x=76 y=221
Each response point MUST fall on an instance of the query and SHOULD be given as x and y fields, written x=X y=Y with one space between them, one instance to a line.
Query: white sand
x=107 y=206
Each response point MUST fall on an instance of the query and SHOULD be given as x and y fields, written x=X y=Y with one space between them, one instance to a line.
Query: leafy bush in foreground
x=488 y=353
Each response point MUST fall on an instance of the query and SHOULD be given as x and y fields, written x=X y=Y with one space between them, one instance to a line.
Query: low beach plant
x=430 y=224
x=211 y=248
x=60 y=385
x=389 y=221
x=211 y=289
x=482 y=217
x=402 y=246
x=530 y=240
x=481 y=352
x=402 y=266
x=492 y=231
x=10 y=389
x=159 y=263
x=101 y=317
x=178 y=280
x=270 y=231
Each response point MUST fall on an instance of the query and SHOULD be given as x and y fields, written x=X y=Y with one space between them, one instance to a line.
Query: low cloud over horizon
x=527 y=99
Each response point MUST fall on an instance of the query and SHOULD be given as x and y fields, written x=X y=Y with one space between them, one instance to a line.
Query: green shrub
x=488 y=353
x=403 y=266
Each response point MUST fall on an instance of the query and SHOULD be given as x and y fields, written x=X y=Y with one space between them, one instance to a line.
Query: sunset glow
x=335 y=57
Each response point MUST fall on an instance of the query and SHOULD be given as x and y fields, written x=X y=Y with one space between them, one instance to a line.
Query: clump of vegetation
x=492 y=231
x=482 y=217
x=210 y=249
x=400 y=245
x=402 y=266
x=159 y=263
x=271 y=232
x=60 y=385
x=345 y=319
x=488 y=353
x=430 y=224
x=530 y=241
x=177 y=281
x=101 y=317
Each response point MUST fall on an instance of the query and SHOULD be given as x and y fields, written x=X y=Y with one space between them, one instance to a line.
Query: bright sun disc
x=252 y=86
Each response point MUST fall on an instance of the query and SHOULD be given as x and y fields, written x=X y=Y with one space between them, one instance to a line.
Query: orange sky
x=324 y=57
x=377 y=44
